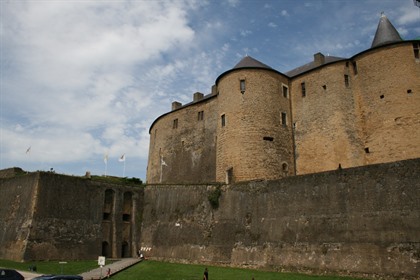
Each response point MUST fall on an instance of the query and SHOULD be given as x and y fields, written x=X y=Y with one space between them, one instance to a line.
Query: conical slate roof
x=385 y=33
x=248 y=61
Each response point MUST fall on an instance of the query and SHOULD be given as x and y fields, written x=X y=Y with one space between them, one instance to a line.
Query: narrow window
x=354 y=67
x=346 y=80
x=175 y=124
x=367 y=150
x=283 y=119
x=200 y=115
x=303 y=87
x=416 y=51
x=242 y=86
x=285 y=167
x=285 y=92
x=223 y=120
x=324 y=87
x=268 y=138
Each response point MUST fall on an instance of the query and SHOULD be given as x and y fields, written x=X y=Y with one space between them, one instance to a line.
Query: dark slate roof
x=248 y=61
x=385 y=33
x=312 y=65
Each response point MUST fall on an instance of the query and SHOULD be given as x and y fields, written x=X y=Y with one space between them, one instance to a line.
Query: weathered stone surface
x=358 y=220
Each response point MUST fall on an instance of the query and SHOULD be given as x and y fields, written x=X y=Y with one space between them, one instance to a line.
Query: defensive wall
x=50 y=216
x=362 y=220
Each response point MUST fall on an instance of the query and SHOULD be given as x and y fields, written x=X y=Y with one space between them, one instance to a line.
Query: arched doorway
x=125 y=250
x=105 y=249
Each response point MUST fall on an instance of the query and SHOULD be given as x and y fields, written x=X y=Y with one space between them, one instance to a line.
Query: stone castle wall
x=187 y=147
x=50 y=216
x=388 y=103
x=253 y=143
x=372 y=118
x=358 y=220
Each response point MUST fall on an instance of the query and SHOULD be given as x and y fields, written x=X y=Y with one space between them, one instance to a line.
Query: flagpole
x=124 y=169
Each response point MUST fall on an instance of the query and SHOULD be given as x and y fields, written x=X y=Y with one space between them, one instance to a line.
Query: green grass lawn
x=52 y=267
x=153 y=270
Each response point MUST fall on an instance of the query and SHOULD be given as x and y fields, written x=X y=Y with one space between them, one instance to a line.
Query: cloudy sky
x=82 y=79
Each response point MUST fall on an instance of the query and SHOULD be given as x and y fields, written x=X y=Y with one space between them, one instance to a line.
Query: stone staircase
x=117 y=266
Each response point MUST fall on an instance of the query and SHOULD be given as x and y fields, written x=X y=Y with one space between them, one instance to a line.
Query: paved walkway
x=115 y=267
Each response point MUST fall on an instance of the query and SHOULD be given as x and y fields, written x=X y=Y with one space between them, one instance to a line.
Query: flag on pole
x=162 y=162
x=106 y=158
x=28 y=150
x=122 y=158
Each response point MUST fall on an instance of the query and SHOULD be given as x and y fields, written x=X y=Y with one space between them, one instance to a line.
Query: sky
x=81 y=80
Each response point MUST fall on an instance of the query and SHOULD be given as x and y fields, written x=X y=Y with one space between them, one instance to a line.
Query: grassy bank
x=153 y=270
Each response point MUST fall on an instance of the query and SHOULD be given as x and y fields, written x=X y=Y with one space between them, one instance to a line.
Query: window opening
x=367 y=150
x=223 y=119
x=200 y=115
x=409 y=91
x=346 y=80
x=175 y=124
x=285 y=92
x=354 y=67
x=283 y=118
x=242 y=86
x=285 y=167
x=382 y=96
x=303 y=87
x=126 y=217
x=416 y=51
x=324 y=87
x=268 y=138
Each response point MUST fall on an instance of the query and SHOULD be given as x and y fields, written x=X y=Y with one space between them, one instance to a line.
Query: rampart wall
x=58 y=217
x=358 y=220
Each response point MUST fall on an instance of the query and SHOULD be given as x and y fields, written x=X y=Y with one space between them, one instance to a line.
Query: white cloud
x=284 y=13
x=272 y=24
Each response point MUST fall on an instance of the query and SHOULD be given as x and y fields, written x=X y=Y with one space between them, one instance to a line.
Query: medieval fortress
x=258 y=123
x=314 y=170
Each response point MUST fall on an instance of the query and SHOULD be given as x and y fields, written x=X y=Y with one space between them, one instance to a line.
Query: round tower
x=255 y=130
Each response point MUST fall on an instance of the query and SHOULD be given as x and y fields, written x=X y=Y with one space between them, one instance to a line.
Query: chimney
x=319 y=59
x=197 y=96
x=214 y=90
x=176 y=105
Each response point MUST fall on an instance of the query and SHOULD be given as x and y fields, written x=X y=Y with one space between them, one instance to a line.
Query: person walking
x=206 y=274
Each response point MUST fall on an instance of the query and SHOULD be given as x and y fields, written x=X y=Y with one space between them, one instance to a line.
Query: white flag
x=163 y=162
x=122 y=158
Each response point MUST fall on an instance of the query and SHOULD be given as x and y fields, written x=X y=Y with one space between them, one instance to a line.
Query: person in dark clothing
x=206 y=274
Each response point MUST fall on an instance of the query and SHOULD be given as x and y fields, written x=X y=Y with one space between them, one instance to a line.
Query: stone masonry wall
x=17 y=202
x=360 y=221
x=254 y=143
x=47 y=216
x=188 y=150
x=389 y=103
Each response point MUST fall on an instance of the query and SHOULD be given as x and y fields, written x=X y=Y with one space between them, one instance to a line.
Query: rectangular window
x=416 y=51
x=285 y=92
x=200 y=115
x=283 y=119
x=303 y=87
x=354 y=67
x=242 y=86
x=223 y=119
x=346 y=80
x=175 y=124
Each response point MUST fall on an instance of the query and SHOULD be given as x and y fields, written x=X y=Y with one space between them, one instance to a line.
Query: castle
x=259 y=123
